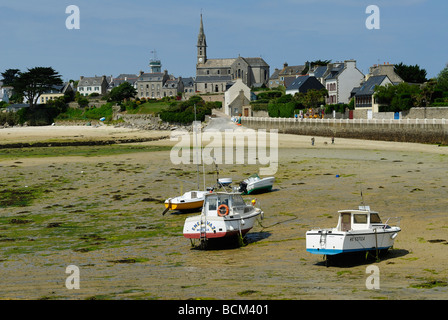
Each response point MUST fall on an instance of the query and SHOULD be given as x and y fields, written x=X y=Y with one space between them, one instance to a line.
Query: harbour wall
x=433 y=131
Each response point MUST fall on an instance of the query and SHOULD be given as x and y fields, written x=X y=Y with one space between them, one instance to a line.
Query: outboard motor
x=243 y=187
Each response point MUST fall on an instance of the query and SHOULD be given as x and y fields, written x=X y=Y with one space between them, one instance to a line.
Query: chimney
x=285 y=65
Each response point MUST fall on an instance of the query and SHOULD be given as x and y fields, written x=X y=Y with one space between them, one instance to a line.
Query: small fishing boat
x=255 y=184
x=224 y=215
x=188 y=201
x=357 y=231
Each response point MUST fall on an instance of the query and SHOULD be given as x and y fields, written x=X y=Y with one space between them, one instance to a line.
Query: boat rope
x=277 y=223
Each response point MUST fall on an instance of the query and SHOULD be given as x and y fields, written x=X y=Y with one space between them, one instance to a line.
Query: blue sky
x=118 y=36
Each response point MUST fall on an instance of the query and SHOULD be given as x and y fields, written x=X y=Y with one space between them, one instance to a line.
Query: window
x=360 y=218
x=212 y=203
x=375 y=218
x=223 y=199
x=238 y=200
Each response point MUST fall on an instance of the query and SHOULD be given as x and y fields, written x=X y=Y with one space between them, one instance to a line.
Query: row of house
x=342 y=80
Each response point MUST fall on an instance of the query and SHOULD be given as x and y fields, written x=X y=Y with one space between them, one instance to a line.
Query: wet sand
x=104 y=215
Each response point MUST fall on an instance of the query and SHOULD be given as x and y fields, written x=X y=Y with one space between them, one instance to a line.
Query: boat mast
x=195 y=132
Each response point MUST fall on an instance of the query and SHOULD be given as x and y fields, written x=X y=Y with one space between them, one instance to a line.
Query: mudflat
x=100 y=208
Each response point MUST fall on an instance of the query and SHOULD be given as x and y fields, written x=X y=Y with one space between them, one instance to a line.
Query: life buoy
x=220 y=213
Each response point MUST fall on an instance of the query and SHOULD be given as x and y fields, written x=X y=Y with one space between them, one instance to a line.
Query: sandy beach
x=103 y=211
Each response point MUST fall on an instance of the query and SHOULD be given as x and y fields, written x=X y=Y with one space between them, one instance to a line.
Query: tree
x=309 y=65
x=123 y=92
x=312 y=98
x=82 y=101
x=442 y=79
x=35 y=82
x=9 y=75
x=412 y=74
x=399 y=97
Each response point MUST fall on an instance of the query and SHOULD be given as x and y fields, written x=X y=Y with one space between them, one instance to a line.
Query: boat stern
x=323 y=241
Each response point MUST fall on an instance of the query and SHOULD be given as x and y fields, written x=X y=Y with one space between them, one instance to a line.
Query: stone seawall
x=399 y=131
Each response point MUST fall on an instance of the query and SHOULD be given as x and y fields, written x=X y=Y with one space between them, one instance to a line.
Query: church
x=217 y=75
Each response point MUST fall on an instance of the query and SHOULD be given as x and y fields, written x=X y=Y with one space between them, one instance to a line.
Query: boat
x=224 y=215
x=357 y=231
x=255 y=184
x=191 y=200
x=188 y=201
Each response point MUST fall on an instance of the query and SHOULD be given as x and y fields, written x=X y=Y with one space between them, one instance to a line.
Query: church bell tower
x=202 y=45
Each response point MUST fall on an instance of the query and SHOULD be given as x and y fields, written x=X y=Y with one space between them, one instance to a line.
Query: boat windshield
x=214 y=201
x=237 y=200
x=375 y=218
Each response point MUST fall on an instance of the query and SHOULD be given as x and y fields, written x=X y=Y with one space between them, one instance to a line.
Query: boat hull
x=332 y=242
x=263 y=185
x=219 y=227
x=184 y=205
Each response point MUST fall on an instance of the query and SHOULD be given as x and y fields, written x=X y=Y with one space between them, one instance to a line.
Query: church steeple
x=202 y=44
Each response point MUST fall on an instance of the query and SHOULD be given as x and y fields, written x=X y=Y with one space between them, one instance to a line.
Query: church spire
x=202 y=44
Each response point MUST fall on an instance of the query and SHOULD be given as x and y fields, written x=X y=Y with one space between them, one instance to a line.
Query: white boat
x=224 y=215
x=357 y=231
x=255 y=184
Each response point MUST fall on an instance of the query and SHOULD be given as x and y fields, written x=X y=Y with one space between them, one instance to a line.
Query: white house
x=237 y=96
x=340 y=81
x=5 y=92
x=89 y=85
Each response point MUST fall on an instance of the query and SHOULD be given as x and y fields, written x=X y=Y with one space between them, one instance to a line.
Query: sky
x=116 y=37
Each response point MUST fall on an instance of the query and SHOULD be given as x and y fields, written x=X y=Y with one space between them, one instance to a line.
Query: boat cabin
x=223 y=204
x=358 y=220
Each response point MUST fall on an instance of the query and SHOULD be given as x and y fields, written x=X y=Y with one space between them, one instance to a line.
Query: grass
x=430 y=284
x=150 y=108
x=80 y=151
x=19 y=197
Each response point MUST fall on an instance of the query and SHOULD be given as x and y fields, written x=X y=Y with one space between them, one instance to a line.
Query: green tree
x=442 y=79
x=309 y=65
x=9 y=76
x=399 y=97
x=82 y=101
x=35 y=82
x=312 y=98
x=412 y=74
x=124 y=91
